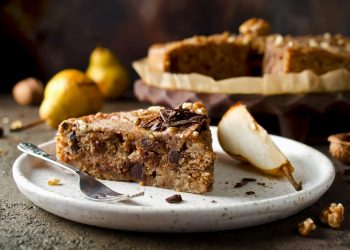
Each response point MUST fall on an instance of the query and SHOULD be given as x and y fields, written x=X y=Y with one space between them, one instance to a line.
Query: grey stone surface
x=26 y=226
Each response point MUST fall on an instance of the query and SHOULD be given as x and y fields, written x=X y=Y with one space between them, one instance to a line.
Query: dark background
x=40 y=38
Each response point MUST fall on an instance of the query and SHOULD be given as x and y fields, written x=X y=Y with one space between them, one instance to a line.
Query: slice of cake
x=168 y=148
x=219 y=56
x=320 y=54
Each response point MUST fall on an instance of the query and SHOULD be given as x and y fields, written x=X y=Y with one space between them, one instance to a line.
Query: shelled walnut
x=333 y=215
x=306 y=227
x=340 y=147
x=255 y=26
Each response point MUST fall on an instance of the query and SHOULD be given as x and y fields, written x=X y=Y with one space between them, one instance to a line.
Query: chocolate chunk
x=75 y=147
x=1 y=132
x=131 y=147
x=136 y=171
x=250 y=193
x=248 y=179
x=72 y=136
x=176 y=198
x=154 y=174
x=64 y=126
x=174 y=156
x=240 y=184
x=74 y=141
x=118 y=137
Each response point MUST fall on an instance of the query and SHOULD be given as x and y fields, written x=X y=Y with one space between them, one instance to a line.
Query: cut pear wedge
x=244 y=139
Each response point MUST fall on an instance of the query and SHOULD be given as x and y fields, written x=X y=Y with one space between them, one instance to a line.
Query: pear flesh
x=244 y=139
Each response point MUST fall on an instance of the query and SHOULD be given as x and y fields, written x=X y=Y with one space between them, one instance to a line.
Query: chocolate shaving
x=248 y=179
x=176 y=198
x=178 y=117
x=243 y=182
x=250 y=193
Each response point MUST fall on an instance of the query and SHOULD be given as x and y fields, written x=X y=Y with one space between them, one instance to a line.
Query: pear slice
x=245 y=140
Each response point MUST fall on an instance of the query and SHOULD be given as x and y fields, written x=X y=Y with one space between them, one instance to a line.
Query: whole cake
x=253 y=52
x=168 y=148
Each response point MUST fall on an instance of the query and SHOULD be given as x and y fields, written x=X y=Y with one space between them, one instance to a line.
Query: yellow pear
x=109 y=74
x=244 y=139
x=70 y=93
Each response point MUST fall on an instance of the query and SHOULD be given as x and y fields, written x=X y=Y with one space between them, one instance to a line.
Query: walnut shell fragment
x=340 y=147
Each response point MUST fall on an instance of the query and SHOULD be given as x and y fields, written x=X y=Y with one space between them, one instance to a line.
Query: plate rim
x=24 y=183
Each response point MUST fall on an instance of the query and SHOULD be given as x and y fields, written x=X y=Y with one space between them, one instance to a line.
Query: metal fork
x=89 y=186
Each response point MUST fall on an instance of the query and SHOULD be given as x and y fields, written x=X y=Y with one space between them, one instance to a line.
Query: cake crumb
x=17 y=124
x=2 y=152
x=53 y=181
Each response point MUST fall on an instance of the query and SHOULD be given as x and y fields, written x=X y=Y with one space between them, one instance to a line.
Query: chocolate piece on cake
x=168 y=148
x=219 y=56
x=320 y=54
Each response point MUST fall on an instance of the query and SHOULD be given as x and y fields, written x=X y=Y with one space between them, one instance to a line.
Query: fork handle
x=33 y=150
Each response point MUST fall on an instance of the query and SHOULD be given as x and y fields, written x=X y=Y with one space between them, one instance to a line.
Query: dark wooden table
x=26 y=226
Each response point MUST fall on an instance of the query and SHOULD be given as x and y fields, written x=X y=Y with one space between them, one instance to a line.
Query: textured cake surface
x=219 y=56
x=169 y=148
x=254 y=52
x=320 y=54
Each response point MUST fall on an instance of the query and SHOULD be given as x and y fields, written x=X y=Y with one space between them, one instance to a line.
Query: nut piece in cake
x=244 y=139
x=168 y=148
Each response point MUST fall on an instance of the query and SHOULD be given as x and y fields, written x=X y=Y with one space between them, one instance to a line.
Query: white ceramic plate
x=224 y=208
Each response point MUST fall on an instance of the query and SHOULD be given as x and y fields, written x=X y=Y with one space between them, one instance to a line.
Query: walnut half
x=340 y=147
x=255 y=26
x=333 y=215
x=306 y=227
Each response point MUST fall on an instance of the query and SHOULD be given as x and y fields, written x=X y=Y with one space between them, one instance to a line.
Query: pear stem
x=286 y=171
x=28 y=125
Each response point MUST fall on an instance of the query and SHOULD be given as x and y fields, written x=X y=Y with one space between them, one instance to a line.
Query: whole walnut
x=29 y=91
